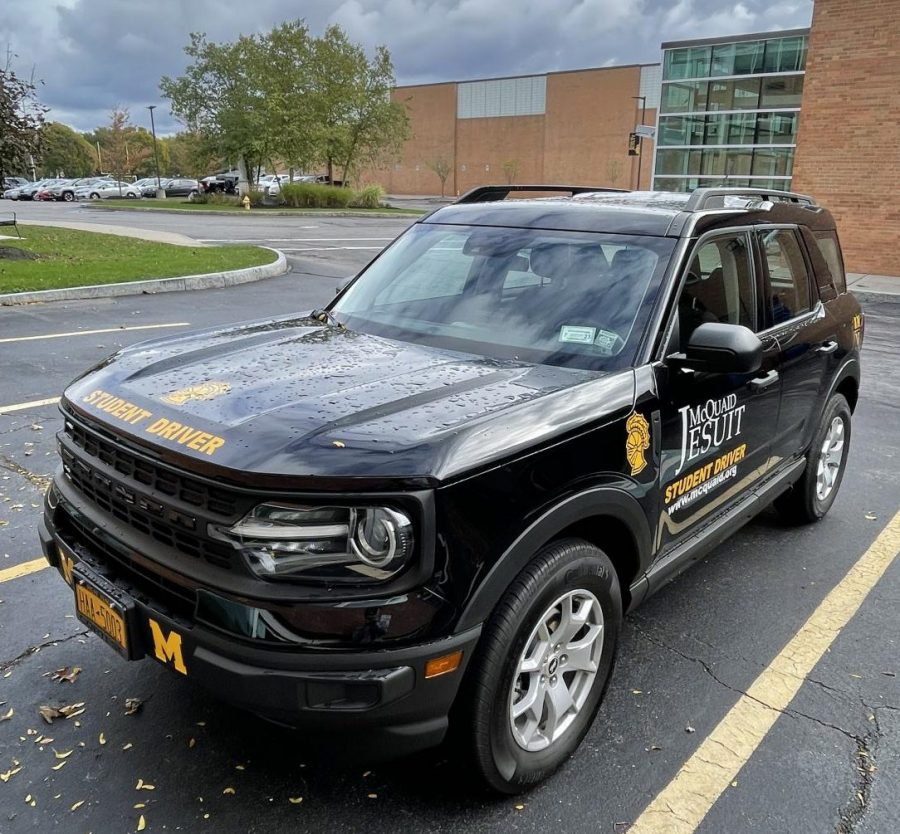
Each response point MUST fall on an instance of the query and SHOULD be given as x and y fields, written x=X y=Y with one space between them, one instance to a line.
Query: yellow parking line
x=92 y=332
x=17 y=571
x=7 y=409
x=682 y=805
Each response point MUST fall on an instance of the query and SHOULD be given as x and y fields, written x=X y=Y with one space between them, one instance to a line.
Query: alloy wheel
x=830 y=459
x=556 y=670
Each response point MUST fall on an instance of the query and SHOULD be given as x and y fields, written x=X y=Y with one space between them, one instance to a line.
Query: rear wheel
x=812 y=496
x=68 y=196
x=543 y=664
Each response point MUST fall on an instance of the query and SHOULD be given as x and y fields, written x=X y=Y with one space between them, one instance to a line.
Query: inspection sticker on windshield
x=582 y=335
x=606 y=340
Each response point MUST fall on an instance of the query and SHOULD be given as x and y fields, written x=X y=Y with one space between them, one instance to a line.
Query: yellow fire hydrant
x=246 y=202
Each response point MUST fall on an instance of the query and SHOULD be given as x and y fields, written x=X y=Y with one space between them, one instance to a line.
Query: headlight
x=343 y=544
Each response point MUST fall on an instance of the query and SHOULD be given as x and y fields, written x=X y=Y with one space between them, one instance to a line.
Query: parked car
x=225 y=183
x=429 y=504
x=12 y=184
x=27 y=192
x=106 y=189
x=45 y=193
x=64 y=190
x=182 y=187
x=147 y=186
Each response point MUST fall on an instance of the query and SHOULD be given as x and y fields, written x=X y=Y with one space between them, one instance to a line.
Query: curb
x=400 y=214
x=872 y=296
x=206 y=281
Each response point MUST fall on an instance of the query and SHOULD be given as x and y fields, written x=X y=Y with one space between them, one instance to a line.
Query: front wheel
x=95 y=196
x=68 y=196
x=812 y=496
x=543 y=664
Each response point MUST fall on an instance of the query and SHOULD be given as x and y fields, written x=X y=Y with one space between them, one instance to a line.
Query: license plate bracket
x=107 y=610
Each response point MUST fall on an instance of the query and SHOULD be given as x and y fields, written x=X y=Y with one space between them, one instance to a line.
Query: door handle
x=827 y=347
x=762 y=382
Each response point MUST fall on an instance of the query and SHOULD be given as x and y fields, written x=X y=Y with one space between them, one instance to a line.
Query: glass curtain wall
x=729 y=114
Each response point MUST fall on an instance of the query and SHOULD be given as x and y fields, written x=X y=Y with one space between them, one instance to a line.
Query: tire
x=193 y=196
x=95 y=195
x=68 y=196
x=810 y=498
x=131 y=195
x=494 y=741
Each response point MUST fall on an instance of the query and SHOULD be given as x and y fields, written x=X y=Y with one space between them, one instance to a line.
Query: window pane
x=785 y=54
x=670 y=184
x=690 y=62
x=737 y=58
x=741 y=128
x=737 y=94
x=685 y=97
x=716 y=130
x=672 y=162
x=828 y=246
x=739 y=162
x=777 y=128
x=713 y=162
x=719 y=287
x=773 y=162
x=785 y=91
x=788 y=280
x=681 y=130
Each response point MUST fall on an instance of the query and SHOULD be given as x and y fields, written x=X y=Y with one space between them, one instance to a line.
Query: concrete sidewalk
x=874 y=287
x=122 y=231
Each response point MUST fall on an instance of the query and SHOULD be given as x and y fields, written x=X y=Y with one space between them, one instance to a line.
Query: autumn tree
x=510 y=170
x=21 y=123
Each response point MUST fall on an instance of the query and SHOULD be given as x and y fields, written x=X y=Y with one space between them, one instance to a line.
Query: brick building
x=848 y=148
x=559 y=127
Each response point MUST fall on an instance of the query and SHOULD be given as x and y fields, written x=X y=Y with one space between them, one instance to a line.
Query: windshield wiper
x=326 y=317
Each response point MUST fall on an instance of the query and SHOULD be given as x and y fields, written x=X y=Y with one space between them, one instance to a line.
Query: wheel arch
x=607 y=517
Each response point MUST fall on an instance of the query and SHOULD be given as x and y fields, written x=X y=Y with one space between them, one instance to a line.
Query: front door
x=717 y=428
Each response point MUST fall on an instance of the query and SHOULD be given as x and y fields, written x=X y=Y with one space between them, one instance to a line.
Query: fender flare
x=849 y=369
x=603 y=500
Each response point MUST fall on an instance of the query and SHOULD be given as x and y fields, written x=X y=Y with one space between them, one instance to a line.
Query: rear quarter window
x=831 y=252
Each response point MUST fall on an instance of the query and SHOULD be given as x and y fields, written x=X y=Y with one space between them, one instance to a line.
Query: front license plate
x=103 y=614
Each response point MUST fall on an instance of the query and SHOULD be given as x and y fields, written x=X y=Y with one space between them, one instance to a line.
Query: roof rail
x=701 y=196
x=492 y=193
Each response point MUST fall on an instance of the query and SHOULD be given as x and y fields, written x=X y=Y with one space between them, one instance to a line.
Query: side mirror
x=721 y=349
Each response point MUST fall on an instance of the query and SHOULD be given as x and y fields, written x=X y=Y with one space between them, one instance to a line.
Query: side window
x=719 y=286
x=788 y=278
x=828 y=246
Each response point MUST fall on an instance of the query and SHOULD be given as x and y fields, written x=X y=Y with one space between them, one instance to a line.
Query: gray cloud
x=95 y=54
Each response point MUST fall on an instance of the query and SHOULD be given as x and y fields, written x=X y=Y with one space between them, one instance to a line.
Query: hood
x=318 y=404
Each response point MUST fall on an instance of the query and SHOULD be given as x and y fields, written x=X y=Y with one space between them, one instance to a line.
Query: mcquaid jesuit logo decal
x=708 y=426
x=637 y=442
x=203 y=391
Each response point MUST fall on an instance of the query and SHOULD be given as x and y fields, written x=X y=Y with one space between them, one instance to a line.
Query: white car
x=107 y=189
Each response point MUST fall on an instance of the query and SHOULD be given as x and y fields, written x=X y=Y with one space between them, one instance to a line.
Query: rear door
x=806 y=335
x=717 y=428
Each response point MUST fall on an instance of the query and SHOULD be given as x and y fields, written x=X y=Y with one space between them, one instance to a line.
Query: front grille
x=121 y=496
x=151 y=588
x=163 y=481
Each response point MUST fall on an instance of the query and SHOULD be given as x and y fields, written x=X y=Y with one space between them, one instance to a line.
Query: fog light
x=438 y=666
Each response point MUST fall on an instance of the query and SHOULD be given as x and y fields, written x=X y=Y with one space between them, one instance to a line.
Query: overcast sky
x=95 y=54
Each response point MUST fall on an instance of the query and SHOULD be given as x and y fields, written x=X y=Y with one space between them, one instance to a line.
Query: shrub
x=369 y=197
x=315 y=195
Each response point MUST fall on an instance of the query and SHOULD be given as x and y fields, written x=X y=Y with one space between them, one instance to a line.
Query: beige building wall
x=581 y=138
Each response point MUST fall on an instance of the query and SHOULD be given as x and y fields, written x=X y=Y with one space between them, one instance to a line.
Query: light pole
x=160 y=192
x=643 y=101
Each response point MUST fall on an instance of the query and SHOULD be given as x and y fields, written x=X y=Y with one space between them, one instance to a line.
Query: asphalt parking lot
x=186 y=762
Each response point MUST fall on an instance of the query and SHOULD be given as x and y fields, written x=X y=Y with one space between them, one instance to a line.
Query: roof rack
x=492 y=193
x=700 y=197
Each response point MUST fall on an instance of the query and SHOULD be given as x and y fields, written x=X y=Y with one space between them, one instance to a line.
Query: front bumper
x=379 y=699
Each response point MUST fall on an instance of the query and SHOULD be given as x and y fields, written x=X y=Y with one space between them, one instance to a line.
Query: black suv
x=430 y=504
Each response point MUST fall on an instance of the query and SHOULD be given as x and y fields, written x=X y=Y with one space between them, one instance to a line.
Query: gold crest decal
x=637 y=442
x=204 y=391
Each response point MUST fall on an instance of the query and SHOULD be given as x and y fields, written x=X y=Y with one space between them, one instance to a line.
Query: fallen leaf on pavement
x=295 y=800
x=5 y=777
x=133 y=706
x=67 y=674
x=62 y=755
x=102 y=738
x=142 y=823
x=77 y=805
x=7 y=715
x=228 y=791
x=59 y=766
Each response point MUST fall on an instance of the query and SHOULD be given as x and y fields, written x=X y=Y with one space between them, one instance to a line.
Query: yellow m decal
x=167 y=648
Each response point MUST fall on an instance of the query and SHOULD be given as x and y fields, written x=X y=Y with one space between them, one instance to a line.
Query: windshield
x=563 y=298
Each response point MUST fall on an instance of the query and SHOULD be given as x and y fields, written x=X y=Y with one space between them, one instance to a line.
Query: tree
x=613 y=171
x=359 y=124
x=442 y=167
x=65 y=152
x=510 y=170
x=125 y=150
x=221 y=96
x=21 y=123
x=189 y=155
